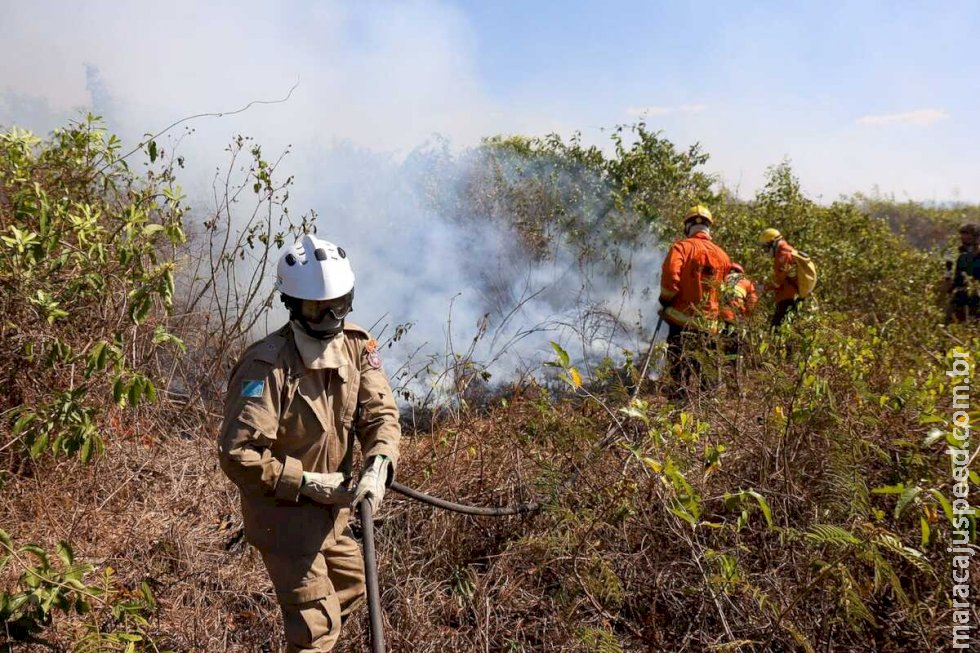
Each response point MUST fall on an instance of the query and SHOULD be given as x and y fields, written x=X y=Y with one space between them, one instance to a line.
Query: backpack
x=806 y=274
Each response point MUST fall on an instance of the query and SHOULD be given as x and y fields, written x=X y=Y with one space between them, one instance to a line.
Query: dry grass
x=605 y=559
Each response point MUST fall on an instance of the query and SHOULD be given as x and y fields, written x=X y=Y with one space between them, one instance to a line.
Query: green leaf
x=830 y=534
x=952 y=441
x=65 y=553
x=176 y=234
x=926 y=531
x=947 y=506
x=161 y=335
x=97 y=357
x=763 y=505
x=685 y=515
x=23 y=421
x=636 y=412
x=19 y=600
x=908 y=496
x=563 y=358
x=5 y=541
x=135 y=391
x=148 y=595
x=889 y=489
x=86 y=453
x=118 y=390
x=39 y=445
x=149 y=390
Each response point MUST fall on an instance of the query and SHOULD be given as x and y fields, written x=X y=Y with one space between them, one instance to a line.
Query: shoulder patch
x=373 y=359
x=253 y=387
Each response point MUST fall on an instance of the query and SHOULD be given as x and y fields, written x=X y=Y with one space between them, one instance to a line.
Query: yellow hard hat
x=700 y=213
x=769 y=235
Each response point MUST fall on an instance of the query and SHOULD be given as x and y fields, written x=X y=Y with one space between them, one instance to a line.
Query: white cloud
x=644 y=112
x=920 y=117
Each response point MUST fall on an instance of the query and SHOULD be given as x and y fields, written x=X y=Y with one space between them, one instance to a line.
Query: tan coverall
x=291 y=407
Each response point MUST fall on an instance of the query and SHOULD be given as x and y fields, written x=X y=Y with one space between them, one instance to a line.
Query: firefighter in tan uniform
x=295 y=401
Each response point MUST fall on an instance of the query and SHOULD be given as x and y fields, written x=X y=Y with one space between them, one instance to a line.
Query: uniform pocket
x=312 y=625
x=302 y=431
x=318 y=411
x=260 y=419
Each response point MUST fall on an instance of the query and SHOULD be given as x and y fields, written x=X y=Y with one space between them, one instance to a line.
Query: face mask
x=321 y=319
x=328 y=327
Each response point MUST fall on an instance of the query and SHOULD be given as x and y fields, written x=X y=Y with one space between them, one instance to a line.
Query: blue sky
x=755 y=82
x=855 y=94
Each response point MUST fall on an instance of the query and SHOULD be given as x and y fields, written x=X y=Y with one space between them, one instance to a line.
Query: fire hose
x=371 y=560
x=367 y=522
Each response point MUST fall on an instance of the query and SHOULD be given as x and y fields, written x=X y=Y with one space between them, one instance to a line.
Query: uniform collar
x=703 y=235
x=320 y=354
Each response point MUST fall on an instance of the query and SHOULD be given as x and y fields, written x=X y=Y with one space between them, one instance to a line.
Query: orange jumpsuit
x=692 y=275
x=739 y=297
x=784 y=272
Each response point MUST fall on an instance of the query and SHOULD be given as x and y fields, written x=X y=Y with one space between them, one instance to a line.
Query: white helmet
x=314 y=269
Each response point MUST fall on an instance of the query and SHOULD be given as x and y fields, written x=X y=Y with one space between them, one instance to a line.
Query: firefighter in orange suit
x=738 y=295
x=738 y=300
x=690 y=285
x=783 y=284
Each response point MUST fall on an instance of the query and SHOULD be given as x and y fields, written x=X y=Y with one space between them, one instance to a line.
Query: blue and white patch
x=253 y=388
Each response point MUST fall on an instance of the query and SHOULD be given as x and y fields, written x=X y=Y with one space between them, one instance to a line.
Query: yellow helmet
x=700 y=213
x=769 y=235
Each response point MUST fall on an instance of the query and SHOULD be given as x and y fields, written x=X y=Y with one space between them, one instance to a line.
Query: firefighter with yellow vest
x=793 y=274
x=690 y=284
x=738 y=295
x=297 y=401
x=738 y=300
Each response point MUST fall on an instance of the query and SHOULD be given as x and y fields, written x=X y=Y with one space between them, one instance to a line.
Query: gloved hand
x=372 y=483
x=325 y=488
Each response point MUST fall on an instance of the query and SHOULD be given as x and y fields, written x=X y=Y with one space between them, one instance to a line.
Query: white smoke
x=457 y=273
x=373 y=87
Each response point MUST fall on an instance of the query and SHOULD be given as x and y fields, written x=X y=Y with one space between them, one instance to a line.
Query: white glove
x=372 y=483
x=325 y=488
